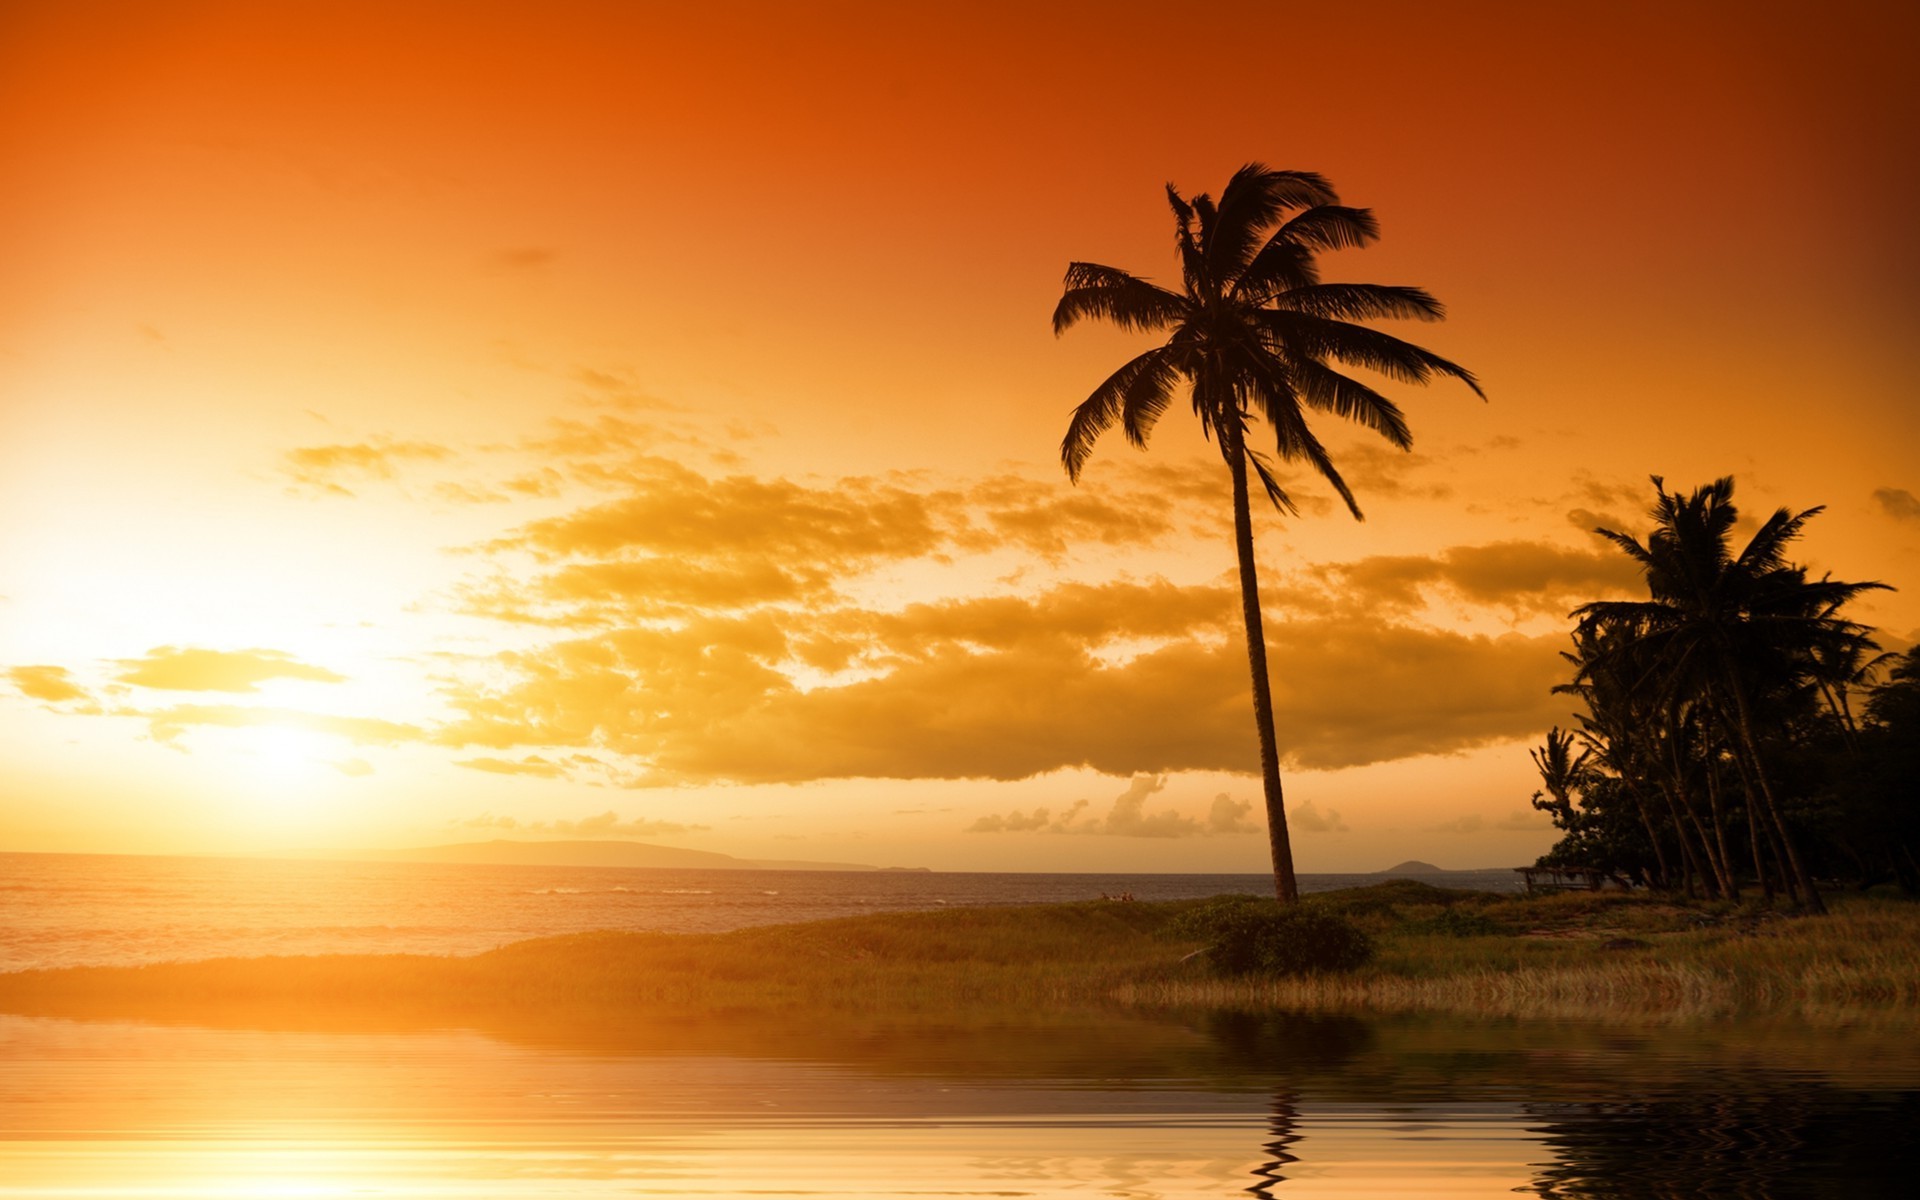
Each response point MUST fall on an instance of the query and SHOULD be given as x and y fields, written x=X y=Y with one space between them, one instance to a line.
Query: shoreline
x=1593 y=955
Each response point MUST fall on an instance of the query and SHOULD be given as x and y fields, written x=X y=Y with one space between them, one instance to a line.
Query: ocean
x=60 y=910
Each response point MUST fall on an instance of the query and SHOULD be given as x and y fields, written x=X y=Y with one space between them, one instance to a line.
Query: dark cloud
x=1523 y=576
x=189 y=669
x=1898 y=503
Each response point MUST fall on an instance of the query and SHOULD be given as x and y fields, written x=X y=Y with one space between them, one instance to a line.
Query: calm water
x=859 y=1104
x=82 y=909
x=1109 y=1107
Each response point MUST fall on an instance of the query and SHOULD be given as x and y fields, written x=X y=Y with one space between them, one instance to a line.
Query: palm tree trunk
x=1281 y=846
x=1729 y=881
x=1799 y=870
x=1653 y=835
x=1714 y=878
x=1689 y=862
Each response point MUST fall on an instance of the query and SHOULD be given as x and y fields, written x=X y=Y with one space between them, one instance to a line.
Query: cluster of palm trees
x=1720 y=743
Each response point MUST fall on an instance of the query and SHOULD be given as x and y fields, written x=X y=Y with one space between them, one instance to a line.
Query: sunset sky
x=439 y=422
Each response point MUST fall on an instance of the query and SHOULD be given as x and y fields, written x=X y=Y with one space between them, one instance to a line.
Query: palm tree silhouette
x=1727 y=628
x=1252 y=334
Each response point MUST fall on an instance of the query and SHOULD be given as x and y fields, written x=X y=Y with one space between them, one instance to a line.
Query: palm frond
x=1110 y=294
x=1631 y=545
x=1362 y=302
x=1326 y=389
x=1293 y=440
x=1766 y=550
x=1280 y=267
x=1254 y=199
x=1193 y=269
x=1331 y=227
x=1304 y=335
x=1133 y=386
x=1276 y=494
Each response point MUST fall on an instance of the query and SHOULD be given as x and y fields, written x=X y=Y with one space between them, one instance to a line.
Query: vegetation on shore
x=1737 y=731
x=1601 y=955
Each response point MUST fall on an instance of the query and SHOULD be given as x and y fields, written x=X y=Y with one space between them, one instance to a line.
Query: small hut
x=1567 y=879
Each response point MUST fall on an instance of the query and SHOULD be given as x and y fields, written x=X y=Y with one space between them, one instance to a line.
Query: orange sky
x=455 y=422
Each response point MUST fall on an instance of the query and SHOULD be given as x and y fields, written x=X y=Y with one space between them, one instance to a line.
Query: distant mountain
x=1413 y=866
x=596 y=854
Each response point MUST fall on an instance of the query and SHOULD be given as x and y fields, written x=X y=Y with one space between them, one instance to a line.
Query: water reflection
x=1283 y=1124
x=862 y=1105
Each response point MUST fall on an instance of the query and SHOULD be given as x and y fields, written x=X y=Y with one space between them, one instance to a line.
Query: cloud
x=532 y=764
x=608 y=824
x=329 y=468
x=676 y=540
x=690 y=628
x=673 y=510
x=1013 y=822
x=1589 y=522
x=525 y=258
x=1378 y=471
x=1514 y=822
x=167 y=725
x=1228 y=815
x=187 y=669
x=1128 y=817
x=1007 y=688
x=52 y=684
x=1048 y=520
x=1525 y=576
x=1308 y=817
x=354 y=767
x=1898 y=503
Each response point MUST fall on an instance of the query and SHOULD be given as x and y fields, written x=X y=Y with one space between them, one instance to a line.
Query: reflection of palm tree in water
x=1284 y=1120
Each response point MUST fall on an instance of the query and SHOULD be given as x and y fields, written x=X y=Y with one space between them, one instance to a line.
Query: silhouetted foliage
x=1721 y=742
x=1253 y=335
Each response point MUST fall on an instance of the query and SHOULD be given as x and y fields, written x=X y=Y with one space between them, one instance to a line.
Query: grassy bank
x=1590 y=955
x=1621 y=957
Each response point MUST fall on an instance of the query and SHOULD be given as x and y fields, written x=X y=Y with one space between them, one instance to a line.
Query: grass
x=1440 y=951
x=1592 y=955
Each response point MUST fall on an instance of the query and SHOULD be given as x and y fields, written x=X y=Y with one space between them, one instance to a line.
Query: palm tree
x=1253 y=334
x=1727 y=628
x=1561 y=771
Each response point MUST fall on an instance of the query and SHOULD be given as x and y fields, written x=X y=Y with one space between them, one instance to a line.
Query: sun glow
x=285 y=755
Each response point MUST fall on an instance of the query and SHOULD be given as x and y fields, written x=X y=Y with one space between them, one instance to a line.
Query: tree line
x=1737 y=729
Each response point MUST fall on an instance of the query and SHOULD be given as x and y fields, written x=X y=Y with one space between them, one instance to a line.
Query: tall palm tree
x=1728 y=628
x=1254 y=335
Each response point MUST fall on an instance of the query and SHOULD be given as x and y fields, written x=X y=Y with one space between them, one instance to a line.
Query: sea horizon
x=67 y=909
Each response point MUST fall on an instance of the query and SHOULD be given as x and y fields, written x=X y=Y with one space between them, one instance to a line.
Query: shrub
x=1461 y=922
x=1248 y=936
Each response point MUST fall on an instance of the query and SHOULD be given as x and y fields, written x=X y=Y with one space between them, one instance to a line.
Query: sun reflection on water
x=118 y=1109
